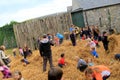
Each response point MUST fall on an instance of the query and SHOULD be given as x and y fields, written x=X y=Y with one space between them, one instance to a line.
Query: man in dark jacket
x=73 y=38
x=105 y=40
x=45 y=51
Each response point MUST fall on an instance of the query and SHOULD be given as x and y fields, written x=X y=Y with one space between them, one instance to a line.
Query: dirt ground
x=33 y=71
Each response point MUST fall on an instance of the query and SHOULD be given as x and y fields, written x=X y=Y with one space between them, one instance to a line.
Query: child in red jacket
x=61 y=61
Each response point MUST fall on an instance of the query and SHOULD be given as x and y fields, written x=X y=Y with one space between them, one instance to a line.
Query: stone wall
x=104 y=17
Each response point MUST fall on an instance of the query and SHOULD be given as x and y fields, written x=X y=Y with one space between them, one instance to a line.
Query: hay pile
x=33 y=71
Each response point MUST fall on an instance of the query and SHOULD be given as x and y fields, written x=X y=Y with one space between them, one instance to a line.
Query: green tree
x=7 y=36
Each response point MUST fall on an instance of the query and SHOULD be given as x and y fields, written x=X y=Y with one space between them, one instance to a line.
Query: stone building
x=104 y=13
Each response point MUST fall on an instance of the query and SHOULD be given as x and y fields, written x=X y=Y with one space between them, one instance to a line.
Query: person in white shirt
x=2 y=55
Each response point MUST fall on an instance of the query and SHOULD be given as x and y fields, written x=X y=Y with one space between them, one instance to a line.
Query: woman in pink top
x=21 y=51
x=5 y=71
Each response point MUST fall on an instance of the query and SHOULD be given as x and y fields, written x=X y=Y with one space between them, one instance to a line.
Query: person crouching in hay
x=81 y=64
x=99 y=72
x=61 y=61
x=117 y=57
x=112 y=43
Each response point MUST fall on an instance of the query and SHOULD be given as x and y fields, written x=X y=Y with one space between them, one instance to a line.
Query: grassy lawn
x=9 y=51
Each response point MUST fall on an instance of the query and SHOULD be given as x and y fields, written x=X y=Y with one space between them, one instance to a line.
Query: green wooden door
x=78 y=19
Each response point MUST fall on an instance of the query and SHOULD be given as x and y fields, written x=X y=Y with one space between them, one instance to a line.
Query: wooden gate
x=78 y=19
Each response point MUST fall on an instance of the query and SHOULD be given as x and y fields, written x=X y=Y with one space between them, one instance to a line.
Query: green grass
x=8 y=51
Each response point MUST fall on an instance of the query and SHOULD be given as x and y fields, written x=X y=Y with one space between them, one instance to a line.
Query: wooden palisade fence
x=28 y=32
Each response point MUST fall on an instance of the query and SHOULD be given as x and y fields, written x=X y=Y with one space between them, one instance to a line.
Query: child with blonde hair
x=90 y=62
x=17 y=75
x=91 y=43
x=93 y=52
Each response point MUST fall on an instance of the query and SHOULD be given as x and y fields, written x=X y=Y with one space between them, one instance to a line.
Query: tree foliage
x=7 y=36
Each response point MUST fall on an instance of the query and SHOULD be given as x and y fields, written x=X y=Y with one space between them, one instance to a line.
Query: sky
x=21 y=10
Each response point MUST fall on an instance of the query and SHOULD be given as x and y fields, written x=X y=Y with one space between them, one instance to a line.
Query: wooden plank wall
x=27 y=31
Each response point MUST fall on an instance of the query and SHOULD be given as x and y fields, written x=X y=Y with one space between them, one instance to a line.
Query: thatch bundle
x=66 y=34
x=113 y=43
